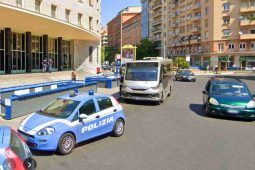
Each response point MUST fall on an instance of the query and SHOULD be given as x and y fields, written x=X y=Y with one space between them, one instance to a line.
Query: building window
x=19 y=3
x=37 y=6
x=80 y=19
x=220 y=47
x=206 y=35
x=253 y=45
x=66 y=55
x=37 y=52
x=53 y=52
x=67 y=15
x=206 y=11
x=90 y=23
x=226 y=6
x=18 y=52
x=53 y=11
x=81 y=1
x=97 y=26
x=226 y=19
x=98 y=5
x=231 y=46
x=206 y=23
x=226 y=32
x=242 y=45
x=2 y=56
x=90 y=54
x=91 y=3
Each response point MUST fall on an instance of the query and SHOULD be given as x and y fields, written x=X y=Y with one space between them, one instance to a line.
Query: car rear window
x=104 y=103
x=19 y=147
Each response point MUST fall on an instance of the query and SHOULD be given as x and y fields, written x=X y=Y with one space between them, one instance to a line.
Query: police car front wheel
x=66 y=144
x=118 y=129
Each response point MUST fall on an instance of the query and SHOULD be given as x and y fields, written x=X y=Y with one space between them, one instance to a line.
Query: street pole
x=164 y=47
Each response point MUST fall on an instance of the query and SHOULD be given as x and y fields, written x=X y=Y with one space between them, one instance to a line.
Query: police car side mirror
x=83 y=116
x=204 y=92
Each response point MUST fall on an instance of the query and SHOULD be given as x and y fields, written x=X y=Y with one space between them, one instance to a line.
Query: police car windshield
x=60 y=108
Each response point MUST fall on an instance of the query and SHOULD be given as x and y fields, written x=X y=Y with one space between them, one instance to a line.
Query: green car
x=228 y=97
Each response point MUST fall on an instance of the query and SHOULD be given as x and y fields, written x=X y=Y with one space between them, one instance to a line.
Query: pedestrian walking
x=73 y=76
x=44 y=65
x=50 y=62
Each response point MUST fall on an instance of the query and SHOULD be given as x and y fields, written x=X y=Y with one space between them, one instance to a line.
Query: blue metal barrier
x=104 y=81
x=19 y=104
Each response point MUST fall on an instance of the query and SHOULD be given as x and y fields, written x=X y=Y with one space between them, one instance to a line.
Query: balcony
x=156 y=5
x=196 y=6
x=157 y=13
x=244 y=9
x=247 y=36
x=196 y=18
x=156 y=29
x=157 y=22
x=244 y=23
x=196 y=29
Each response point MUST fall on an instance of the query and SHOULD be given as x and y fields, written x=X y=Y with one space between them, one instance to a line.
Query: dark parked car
x=228 y=97
x=185 y=75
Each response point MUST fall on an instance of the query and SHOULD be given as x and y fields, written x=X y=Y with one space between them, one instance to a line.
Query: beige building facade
x=211 y=32
x=67 y=32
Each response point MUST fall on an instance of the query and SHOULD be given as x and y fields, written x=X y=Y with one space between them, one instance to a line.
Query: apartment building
x=145 y=18
x=116 y=24
x=131 y=31
x=158 y=24
x=67 y=32
x=212 y=32
x=104 y=37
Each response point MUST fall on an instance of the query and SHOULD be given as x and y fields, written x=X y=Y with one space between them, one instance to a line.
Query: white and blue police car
x=71 y=119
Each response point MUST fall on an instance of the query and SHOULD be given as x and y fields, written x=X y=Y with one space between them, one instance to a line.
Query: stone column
x=8 y=51
x=28 y=52
x=60 y=53
x=237 y=61
x=45 y=47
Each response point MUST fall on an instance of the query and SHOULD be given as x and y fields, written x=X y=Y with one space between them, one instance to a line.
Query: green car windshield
x=60 y=108
x=230 y=89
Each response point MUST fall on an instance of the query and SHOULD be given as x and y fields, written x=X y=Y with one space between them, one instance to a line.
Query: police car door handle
x=115 y=110
x=97 y=116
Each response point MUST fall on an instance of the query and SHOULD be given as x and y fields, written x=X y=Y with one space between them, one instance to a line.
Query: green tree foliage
x=181 y=63
x=146 y=49
x=109 y=53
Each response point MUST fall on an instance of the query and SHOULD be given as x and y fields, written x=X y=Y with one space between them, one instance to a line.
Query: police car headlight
x=46 y=131
x=251 y=104
x=213 y=101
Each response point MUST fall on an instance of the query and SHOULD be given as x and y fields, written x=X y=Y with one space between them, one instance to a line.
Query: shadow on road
x=48 y=153
x=199 y=110
x=135 y=102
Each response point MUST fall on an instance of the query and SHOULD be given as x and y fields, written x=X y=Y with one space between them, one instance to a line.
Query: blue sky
x=110 y=8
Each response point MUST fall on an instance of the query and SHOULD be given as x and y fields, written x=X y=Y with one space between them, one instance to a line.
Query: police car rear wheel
x=66 y=144
x=118 y=128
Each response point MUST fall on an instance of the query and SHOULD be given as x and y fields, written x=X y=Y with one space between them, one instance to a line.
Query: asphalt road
x=174 y=135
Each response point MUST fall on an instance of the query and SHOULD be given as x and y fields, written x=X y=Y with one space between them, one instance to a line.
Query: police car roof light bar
x=91 y=92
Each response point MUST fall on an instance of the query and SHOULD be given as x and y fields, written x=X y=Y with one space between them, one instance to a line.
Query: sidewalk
x=32 y=78
x=14 y=123
x=203 y=72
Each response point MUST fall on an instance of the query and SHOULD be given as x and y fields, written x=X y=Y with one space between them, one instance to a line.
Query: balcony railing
x=196 y=6
x=247 y=36
x=247 y=22
x=247 y=8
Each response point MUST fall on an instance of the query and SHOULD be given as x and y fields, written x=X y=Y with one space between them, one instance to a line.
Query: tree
x=242 y=59
x=146 y=49
x=181 y=63
x=109 y=53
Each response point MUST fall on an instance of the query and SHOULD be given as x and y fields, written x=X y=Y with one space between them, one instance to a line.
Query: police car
x=71 y=119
